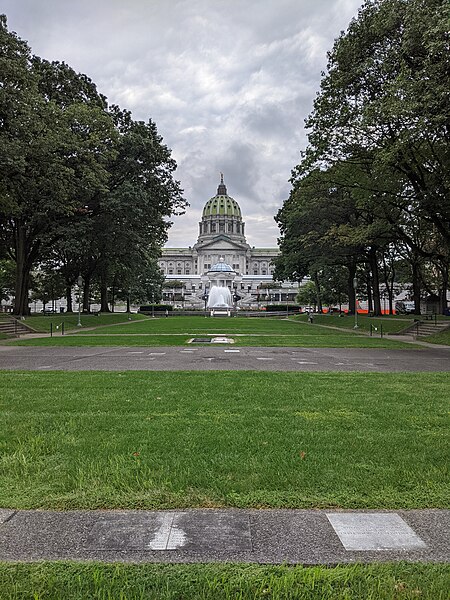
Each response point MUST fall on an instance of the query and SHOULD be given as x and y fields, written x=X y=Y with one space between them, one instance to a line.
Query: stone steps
x=424 y=329
x=12 y=327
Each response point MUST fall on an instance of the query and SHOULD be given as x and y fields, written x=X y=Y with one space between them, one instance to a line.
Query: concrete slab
x=374 y=531
x=205 y=535
x=6 y=514
x=193 y=531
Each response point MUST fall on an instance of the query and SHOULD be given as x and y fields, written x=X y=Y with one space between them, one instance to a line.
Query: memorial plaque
x=162 y=531
x=374 y=531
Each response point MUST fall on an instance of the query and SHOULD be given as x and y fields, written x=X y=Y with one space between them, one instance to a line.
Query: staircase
x=423 y=329
x=12 y=327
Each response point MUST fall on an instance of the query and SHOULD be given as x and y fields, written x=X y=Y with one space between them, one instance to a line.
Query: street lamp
x=287 y=302
x=153 y=306
x=79 y=283
x=355 y=285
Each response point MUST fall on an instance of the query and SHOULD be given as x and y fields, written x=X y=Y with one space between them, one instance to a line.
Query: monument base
x=220 y=312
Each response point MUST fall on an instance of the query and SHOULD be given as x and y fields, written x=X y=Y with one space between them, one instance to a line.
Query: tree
x=307 y=294
x=47 y=287
x=52 y=154
x=383 y=112
x=130 y=222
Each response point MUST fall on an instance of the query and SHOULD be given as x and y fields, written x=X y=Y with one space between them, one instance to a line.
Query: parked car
x=404 y=307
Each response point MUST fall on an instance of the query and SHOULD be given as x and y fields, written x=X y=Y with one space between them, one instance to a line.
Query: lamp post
x=287 y=302
x=355 y=285
x=153 y=306
x=79 y=283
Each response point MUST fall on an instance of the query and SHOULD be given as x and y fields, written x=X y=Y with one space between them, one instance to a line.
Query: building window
x=188 y=272
x=264 y=272
x=213 y=228
x=221 y=227
x=178 y=271
x=255 y=272
x=170 y=271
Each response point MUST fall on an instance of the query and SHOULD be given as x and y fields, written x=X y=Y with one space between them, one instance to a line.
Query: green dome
x=222 y=205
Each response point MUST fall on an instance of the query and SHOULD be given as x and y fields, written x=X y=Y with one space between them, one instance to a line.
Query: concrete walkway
x=207 y=358
x=307 y=537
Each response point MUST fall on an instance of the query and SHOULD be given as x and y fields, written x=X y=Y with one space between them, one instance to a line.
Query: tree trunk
x=369 y=291
x=104 y=295
x=318 y=292
x=23 y=268
x=443 y=289
x=86 y=293
x=415 y=271
x=69 y=308
x=350 y=290
x=375 y=282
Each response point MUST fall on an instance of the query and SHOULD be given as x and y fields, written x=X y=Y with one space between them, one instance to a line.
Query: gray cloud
x=228 y=83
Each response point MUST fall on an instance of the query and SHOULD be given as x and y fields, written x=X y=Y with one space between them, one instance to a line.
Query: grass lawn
x=187 y=439
x=41 y=323
x=94 y=581
x=390 y=323
x=440 y=338
x=248 y=331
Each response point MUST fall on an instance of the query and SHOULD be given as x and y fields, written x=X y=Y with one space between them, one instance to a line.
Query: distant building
x=221 y=255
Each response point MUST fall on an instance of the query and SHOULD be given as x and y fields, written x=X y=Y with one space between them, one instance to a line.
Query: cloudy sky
x=228 y=83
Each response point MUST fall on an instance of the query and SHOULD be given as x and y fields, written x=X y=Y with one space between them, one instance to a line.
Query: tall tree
x=53 y=154
x=383 y=107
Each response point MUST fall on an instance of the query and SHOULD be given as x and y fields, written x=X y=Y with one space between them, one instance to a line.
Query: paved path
x=174 y=358
x=260 y=536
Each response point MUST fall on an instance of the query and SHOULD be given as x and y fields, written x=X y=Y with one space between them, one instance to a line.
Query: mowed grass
x=440 y=338
x=387 y=323
x=243 y=439
x=177 y=331
x=41 y=323
x=95 y=581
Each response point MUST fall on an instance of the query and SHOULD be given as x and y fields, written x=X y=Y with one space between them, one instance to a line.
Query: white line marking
x=263 y=358
x=136 y=352
x=46 y=367
x=306 y=362
x=231 y=350
x=157 y=353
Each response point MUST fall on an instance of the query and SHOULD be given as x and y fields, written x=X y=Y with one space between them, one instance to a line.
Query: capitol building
x=222 y=256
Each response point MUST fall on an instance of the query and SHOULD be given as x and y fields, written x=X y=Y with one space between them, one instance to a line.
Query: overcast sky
x=227 y=82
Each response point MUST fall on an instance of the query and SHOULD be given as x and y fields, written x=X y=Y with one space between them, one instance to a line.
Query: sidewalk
x=307 y=537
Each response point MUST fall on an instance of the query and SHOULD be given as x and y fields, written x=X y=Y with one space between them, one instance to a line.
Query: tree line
x=84 y=188
x=370 y=198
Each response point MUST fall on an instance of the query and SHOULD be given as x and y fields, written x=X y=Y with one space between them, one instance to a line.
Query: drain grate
x=200 y=340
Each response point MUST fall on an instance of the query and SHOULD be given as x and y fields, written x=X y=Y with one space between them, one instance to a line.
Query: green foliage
x=83 y=188
x=376 y=171
x=307 y=294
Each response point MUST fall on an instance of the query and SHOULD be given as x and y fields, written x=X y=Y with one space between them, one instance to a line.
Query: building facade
x=221 y=240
